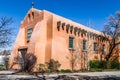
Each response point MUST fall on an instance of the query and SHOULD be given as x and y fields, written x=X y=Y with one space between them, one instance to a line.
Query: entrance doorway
x=21 y=58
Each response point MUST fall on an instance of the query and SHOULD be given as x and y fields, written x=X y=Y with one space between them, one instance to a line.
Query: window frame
x=69 y=44
x=29 y=33
x=84 y=47
x=95 y=46
x=103 y=49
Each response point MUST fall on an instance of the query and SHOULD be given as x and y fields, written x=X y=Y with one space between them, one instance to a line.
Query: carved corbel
x=95 y=35
x=79 y=31
x=75 y=30
x=63 y=24
x=71 y=29
x=67 y=27
x=58 y=25
x=83 y=31
x=91 y=34
x=100 y=37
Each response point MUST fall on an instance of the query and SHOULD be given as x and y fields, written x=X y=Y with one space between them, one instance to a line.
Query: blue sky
x=81 y=11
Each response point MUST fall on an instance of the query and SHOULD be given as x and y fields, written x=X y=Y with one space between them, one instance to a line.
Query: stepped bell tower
x=32 y=4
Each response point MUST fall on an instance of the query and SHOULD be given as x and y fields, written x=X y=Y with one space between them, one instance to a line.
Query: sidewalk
x=81 y=75
x=108 y=73
x=7 y=72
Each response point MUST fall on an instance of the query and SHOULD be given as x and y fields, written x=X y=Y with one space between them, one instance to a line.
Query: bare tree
x=112 y=34
x=76 y=57
x=72 y=59
x=29 y=62
x=5 y=31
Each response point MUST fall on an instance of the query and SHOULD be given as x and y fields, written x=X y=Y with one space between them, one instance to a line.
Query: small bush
x=115 y=65
x=65 y=70
x=47 y=71
x=41 y=68
x=76 y=70
x=2 y=67
x=104 y=64
x=98 y=64
x=94 y=70
x=99 y=70
x=94 y=64
x=53 y=65
x=57 y=71
x=84 y=70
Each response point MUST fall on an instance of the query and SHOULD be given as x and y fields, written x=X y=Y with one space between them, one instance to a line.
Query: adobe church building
x=49 y=36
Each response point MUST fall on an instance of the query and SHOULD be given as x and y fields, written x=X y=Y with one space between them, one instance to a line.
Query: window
x=29 y=32
x=103 y=49
x=84 y=45
x=71 y=42
x=95 y=46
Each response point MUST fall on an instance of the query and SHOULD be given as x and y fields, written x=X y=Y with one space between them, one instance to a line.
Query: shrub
x=94 y=64
x=65 y=70
x=47 y=71
x=2 y=67
x=57 y=71
x=94 y=70
x=104 y=64
x=115 y=65
x=108 y=64
x=84 y=70
x=76 y=70
x=41 y=68
x=53 y=65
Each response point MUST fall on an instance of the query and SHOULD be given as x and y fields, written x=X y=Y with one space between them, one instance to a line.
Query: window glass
x=29 y=32
x=84 y=45
x=95 y=46
x=71 y=42
x=103 y=49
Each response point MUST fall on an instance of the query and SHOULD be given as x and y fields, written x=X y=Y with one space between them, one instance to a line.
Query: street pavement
x=111 y=75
